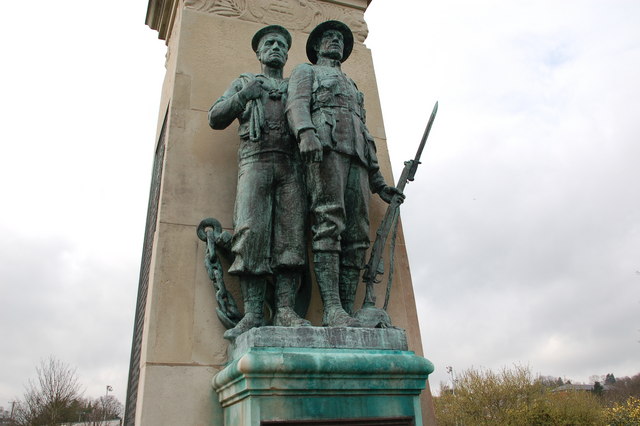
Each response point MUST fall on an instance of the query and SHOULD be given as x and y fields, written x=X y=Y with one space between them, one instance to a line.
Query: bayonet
x=375 y=266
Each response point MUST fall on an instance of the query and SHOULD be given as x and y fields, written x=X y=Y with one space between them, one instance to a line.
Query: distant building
x=584 y=388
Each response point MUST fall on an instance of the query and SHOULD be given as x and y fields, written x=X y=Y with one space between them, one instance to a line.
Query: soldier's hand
x=310 y=146
x=252 y=90
x=389 y=192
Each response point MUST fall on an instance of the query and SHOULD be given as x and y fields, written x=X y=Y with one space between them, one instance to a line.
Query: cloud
x=59 y=300
x=523 y=217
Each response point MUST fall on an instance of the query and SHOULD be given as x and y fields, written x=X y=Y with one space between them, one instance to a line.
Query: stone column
x=177 y=344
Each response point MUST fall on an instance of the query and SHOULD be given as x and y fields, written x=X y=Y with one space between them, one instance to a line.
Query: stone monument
x=182 y=369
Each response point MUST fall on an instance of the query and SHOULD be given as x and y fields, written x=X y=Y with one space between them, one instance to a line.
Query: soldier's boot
x=327 y=270
x=253 y=288
x=348 y=282
x=286 y=287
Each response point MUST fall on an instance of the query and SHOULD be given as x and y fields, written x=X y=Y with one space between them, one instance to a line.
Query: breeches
x=339 y=193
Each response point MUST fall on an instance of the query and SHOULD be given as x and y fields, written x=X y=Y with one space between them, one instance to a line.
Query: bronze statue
x=269 y=213
x=326 y=113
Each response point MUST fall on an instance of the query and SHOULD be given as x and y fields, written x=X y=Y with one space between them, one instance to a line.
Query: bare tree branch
x=49 y=399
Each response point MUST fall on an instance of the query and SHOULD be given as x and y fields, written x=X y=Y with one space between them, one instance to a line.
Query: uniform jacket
x=324 y=99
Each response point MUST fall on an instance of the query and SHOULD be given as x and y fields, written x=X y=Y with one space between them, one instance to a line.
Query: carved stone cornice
x=296 y=15
x=160 y=16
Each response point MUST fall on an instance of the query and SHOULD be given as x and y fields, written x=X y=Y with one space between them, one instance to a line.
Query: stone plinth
x=339 y=377
x=319 y=337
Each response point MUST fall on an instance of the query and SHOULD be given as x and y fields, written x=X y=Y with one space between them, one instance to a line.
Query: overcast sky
x=523 y=224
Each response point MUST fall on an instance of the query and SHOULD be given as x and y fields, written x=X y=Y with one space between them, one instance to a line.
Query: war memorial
x=274 y=287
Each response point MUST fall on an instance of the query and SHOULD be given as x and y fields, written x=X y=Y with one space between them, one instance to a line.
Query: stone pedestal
x=320 y=376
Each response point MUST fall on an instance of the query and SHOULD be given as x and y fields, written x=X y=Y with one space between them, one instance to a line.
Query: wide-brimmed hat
x=316 y=35
x=255 y=41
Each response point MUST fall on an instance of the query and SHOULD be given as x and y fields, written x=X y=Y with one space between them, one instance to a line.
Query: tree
x=627 y=413
x=623 y=388
x=565 y=408
x=483 y=397
x=102 y=409
x=55 y=397
x=597 y=389
x=50 y=399
x=550 y=381
x=609 y=379
x=514 y=397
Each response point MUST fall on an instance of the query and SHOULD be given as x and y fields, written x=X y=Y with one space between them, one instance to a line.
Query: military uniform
x=269 y=211
x=324 y=99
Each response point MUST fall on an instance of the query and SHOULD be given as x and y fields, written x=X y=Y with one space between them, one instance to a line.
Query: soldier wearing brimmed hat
x=326 y=113
x=269 y=213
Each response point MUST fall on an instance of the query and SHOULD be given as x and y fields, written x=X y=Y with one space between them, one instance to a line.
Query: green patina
x=270 y=206
x=325 y=382
x=308 y=383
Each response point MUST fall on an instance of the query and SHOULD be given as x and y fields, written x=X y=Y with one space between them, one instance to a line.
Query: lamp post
x=104 y=403
x=453 y=389
x=453 y=380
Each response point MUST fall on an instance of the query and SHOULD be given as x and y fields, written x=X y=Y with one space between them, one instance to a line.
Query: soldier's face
x=331 y=45
x=273 y=50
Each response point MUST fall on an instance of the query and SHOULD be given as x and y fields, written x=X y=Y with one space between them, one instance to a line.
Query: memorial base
x=322 y=376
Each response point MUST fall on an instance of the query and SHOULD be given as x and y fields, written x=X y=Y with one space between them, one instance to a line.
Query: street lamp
x=453 y=380
x=104 y=403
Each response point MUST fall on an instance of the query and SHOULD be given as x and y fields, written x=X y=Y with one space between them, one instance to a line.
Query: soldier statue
x=326 y=113
x=269 y=213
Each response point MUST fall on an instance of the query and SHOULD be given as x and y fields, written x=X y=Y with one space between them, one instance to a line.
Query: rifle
x=375 y=266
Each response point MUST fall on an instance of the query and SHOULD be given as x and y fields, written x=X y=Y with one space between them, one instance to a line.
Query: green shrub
x=513 y=397
x=624 y=414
